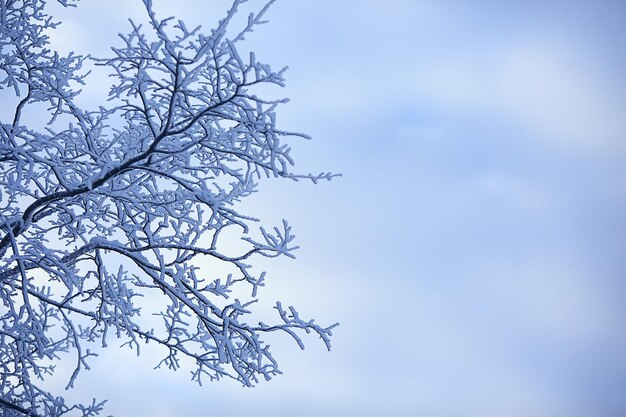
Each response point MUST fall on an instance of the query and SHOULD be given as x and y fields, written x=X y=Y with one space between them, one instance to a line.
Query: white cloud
x=557 y=95
x=540 y=86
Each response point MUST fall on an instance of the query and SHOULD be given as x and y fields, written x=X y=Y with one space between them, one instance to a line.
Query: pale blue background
x=474 y=249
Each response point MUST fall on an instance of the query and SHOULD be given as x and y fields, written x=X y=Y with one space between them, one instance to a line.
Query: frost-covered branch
x=136 y=200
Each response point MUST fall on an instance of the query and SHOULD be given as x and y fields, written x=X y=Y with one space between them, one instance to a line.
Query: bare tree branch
x=138 y=198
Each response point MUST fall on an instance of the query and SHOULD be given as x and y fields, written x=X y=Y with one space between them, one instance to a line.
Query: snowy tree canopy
x=103 y=208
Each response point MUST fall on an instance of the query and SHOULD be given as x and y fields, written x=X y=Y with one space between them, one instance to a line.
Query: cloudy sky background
x=473 y=250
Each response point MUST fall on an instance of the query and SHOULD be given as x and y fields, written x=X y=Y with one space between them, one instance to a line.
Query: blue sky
x=473 y=250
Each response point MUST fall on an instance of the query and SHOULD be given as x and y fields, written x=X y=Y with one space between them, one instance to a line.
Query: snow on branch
x=133 y=200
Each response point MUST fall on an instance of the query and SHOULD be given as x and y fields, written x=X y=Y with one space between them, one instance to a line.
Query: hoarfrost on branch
x=101 y=207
